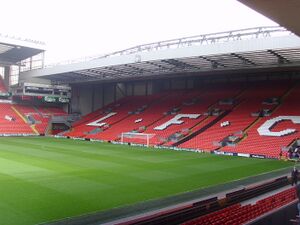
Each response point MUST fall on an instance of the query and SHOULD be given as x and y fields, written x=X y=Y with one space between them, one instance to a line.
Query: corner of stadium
x=194 y=130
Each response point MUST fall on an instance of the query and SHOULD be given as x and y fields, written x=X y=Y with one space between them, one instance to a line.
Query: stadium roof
x=285 y=13
x=263 y=47
x=14 y=49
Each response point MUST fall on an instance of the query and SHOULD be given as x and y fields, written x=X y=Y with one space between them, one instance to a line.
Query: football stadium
x=194 y=130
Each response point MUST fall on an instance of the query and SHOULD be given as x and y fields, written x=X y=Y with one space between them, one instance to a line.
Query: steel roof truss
x=214 y=64
x=243 y=59
x=281 y=59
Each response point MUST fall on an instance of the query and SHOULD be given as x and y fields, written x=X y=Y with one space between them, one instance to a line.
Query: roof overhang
x=285 y=13
x=13 y=49
x=192 y=58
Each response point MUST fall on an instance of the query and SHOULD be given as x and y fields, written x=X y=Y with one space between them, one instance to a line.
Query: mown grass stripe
x=45 y=179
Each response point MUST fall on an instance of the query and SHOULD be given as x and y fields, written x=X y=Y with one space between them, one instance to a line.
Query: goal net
x=130 y=136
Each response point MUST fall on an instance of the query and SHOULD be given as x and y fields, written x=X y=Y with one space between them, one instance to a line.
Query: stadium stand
x=240 y=117
x=159 y=109
x=43 y=116
x=226 y=118
x=240 y=214
x=241 y=206
x=272 y=145
x=26 y=119
x=11 y=122
x=207 y=100
x=124 y=110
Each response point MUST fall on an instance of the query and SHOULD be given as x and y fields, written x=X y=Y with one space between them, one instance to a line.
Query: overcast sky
x=77 y=28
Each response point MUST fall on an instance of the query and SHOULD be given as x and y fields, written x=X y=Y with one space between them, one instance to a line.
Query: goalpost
x=143 y=136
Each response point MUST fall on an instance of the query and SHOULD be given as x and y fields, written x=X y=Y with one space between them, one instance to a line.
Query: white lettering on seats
x=264 y=129
x=138 y=120
x=176 y=120
x=97 y=124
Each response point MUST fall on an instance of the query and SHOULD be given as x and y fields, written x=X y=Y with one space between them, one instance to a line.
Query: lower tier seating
x=223 y=117
x=239 y=214
x=11 y=122
x=26 y=119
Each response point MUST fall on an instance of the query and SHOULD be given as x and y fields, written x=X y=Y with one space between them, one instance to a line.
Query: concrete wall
x=85 y=100
x=109 y=94
x=129 y=89
x=88 y=98
x=120 y=90
x=178 y=84
x=98 y=97
x=140 y=88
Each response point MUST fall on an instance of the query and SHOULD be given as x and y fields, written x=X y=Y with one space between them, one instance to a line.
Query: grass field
x=45 y=179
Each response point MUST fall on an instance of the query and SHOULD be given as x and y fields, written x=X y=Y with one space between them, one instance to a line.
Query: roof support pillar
x=7 y=70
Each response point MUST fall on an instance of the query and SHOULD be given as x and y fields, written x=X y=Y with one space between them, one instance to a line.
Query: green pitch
x=45 y=179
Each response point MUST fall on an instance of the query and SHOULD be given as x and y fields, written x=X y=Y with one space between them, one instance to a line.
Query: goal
x=131 y=135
